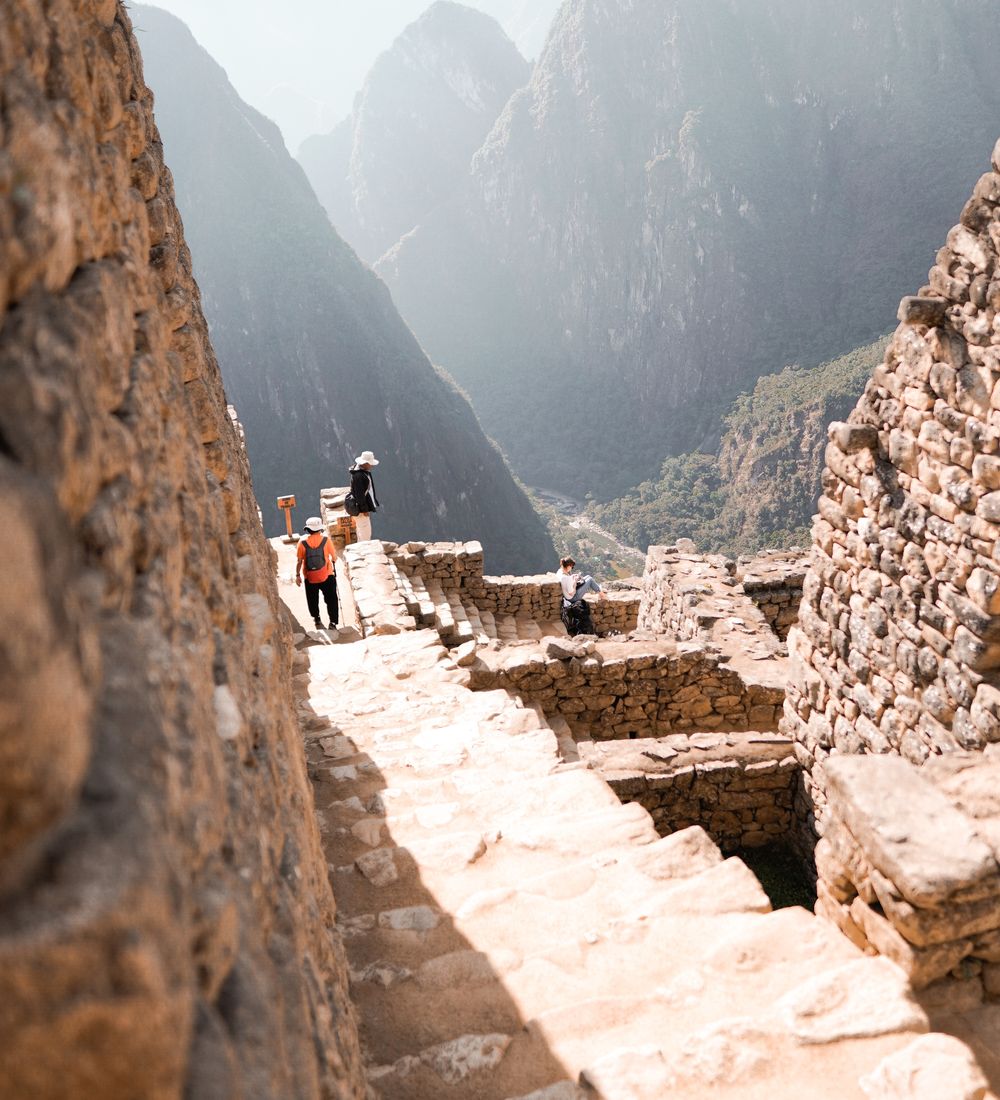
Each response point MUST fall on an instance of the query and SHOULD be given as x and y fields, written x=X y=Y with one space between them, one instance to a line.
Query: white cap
x=313 y=523
x=366 y=458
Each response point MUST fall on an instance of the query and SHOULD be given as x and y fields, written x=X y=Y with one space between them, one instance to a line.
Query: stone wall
x=898 y=645
x=166 y=910
x=612 y=689
x=739 y=788
x=456 y=569
x=740 y=606
x=908 y=868
x=773 y=580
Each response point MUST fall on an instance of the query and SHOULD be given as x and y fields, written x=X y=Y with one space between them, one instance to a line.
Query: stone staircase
x=389 y=599
x=514 y=931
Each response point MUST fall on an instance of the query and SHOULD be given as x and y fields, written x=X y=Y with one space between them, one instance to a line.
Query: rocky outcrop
x=683 y=198
x=312 y=349
x=166 y=910
x=898 y=643
x=425 y=108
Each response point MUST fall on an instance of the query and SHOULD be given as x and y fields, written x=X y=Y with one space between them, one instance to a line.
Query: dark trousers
x=329 y=590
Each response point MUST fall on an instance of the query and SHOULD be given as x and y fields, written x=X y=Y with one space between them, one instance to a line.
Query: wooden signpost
x=286 y=504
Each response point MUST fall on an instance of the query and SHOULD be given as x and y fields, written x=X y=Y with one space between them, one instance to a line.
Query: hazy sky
x=301 y=63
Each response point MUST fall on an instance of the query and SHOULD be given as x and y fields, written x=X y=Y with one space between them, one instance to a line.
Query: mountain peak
x=426 y=106
x=313 y=352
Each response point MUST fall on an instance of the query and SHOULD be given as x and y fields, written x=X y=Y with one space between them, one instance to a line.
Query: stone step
x=489 y=624
x=567 y=908
x=652 y=994
x=463 y=628
x=564 y=738
x=473 y=800
x=527 y=629
x=444 y=619
x=476 y=622
x=506 y=627
x=425 y=604
x=508 y=923
x=459 y=992
x=495 y=1066
x=405 y=589
x=378 y=870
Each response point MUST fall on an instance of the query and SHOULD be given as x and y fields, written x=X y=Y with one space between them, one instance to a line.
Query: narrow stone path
x=514 y=931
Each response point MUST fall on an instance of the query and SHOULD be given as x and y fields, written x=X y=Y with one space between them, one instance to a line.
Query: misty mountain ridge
x=425 y=108
x=681 y=198
x=313 y=353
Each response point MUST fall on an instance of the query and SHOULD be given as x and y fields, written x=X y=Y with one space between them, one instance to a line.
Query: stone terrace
x=516 y=925
x=513 y=930
x=740 y=787
x=441 y=585
x=623 y=689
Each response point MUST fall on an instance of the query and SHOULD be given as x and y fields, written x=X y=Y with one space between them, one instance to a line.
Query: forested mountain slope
x=684 y=197
x=760 y=487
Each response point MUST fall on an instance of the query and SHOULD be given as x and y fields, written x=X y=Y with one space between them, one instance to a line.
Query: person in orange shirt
x=316 y=557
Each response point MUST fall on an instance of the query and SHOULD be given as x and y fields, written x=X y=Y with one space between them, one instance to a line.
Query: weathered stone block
x=922 y=965
x=922 y=311
x=908 y=830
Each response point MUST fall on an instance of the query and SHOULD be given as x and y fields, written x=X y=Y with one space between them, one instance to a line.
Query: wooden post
x=286 y=504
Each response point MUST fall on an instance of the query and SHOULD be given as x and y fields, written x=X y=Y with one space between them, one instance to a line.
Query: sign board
x=286 y=502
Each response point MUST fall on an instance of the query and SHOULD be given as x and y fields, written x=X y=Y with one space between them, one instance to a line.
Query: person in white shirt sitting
x=574 y=585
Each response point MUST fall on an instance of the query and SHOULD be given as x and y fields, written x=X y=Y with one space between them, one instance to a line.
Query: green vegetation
x=596 y=550
x=760 y=488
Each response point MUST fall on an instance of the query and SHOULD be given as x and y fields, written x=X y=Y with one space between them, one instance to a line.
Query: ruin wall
x=773 y=580
x=738 y=788
x=897 y=649
x=907 y=868
x=618 y=690
x=166 y=919
x=690 y=595
x=456 y=569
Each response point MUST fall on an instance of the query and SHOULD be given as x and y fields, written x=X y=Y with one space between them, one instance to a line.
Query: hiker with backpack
x=316 y=558
x=575 y=612
x=361 y=501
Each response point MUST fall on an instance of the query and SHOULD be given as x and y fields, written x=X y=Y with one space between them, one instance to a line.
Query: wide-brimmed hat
x=313 y=523
x=366 y=458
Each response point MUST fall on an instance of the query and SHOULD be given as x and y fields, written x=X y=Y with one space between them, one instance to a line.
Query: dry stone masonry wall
x=743 y=605
x=898 y=648
x=442 y=585
x=773 y=580
x=166 y=909
x=612 y=689
x=738 y=787
x=908 y=868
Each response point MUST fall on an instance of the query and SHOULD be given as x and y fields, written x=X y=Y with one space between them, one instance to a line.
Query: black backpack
x=315 y=556
x=351 y=506
x=576 y=618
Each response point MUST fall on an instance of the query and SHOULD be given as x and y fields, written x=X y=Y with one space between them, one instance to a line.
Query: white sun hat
x=366 y=457
x=313 y=523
